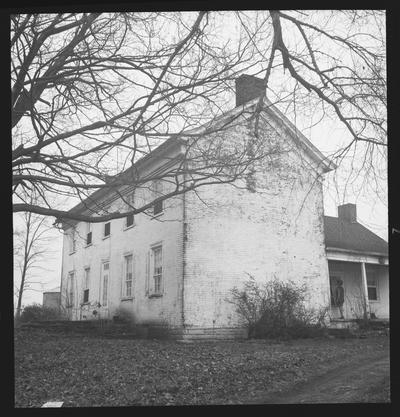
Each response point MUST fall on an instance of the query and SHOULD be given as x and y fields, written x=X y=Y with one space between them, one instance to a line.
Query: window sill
x=154 y=216
x=89 y=245
x=71 y=253
x=129 y=227
x=155 y=295
x=126 y=298
x=106 y=237
x=86 y=303
x=374 y=301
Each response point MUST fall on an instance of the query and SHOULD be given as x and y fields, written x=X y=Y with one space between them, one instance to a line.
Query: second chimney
x=248 y=87
x=348 y=212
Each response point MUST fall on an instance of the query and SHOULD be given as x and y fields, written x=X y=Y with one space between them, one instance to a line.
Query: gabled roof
x=342 y=234
x=271 y=110
x=268 y=108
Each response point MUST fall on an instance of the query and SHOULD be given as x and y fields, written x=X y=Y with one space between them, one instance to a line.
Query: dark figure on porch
x=338 y=296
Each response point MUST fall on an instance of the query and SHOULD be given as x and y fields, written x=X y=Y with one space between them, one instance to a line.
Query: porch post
x=364 y=289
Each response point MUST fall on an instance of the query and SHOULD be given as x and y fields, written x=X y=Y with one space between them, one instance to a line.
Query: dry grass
x=91 y=371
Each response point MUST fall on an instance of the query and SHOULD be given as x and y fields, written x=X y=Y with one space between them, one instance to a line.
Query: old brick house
x=177 y=264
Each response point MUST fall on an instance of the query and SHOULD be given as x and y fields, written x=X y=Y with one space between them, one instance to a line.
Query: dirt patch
x=366 y=379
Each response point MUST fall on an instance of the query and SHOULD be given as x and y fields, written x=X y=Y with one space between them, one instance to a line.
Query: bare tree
x=30 y=250
x=93 y=93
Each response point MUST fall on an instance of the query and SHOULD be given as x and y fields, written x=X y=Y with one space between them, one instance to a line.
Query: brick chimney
x=248 y=87
x=348 y=213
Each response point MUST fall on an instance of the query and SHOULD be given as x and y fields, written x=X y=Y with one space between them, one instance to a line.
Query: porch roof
x=350 y=236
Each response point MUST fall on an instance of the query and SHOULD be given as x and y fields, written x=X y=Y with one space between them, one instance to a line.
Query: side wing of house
x=130 y=266
x=359 y=259
x=269 y=225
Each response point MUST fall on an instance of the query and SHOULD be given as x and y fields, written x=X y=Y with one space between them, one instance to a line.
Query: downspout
x=184 y=237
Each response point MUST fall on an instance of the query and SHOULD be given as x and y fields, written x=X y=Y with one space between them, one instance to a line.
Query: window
x=70 y=290
x=372 y=290
x=105 y=276
x=128 y=276
x=129 y=221
x=107 y=229
x=157 y=269
x=157 y=192
x=88 y=234
x=86 y=286
x=72 y=240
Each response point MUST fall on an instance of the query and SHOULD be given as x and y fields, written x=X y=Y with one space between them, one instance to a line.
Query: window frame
x=125 y=295
x=86 y=286
x=105 y=288
x=128 y=226
x=157 y=188
x=109 y=230
x=375 y=286
x=156 y=290
x=89 y=233
x=70 y=290
x=130 y=203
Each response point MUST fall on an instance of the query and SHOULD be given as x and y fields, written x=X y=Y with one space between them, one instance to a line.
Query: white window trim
x=86 y=285
x=154 y=196
x=129 y=227
x=378 y=298
x=130 y=202
x=123 y=295
x=104 y=230
x=151 y=286
x=68 y=289
x=103 y=262
x=88 y=230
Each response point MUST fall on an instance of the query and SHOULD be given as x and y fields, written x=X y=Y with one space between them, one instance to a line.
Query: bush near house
x=276 y=309
x=37 y=312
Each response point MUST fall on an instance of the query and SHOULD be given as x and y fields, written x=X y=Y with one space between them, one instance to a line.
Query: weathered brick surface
x=137 y=240
x=275 y=232
x=208 y=249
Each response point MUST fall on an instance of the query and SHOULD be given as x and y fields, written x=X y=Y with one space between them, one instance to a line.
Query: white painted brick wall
x=276 y=232
x=137 y=240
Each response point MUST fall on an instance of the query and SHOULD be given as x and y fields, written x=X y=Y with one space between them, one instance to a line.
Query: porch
x=365 y=281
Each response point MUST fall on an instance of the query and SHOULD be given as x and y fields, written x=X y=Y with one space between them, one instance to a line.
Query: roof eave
x=357 y=252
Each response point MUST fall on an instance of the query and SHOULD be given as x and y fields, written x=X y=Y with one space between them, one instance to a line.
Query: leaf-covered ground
x=92 y=371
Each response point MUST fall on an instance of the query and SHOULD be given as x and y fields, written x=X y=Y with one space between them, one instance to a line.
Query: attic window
x=107 y=229
x=157 y=193
x=130 y=203
x=129 y=220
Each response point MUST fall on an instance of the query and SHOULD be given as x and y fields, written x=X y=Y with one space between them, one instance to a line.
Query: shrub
x=276 y=309
x=36 y=312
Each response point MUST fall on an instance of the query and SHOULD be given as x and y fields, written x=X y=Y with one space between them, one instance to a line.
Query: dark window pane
x=158 y=207
x=129 y=220
x=107 y=227
x=85 y=296
x=89 y=238
x=372 y=293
